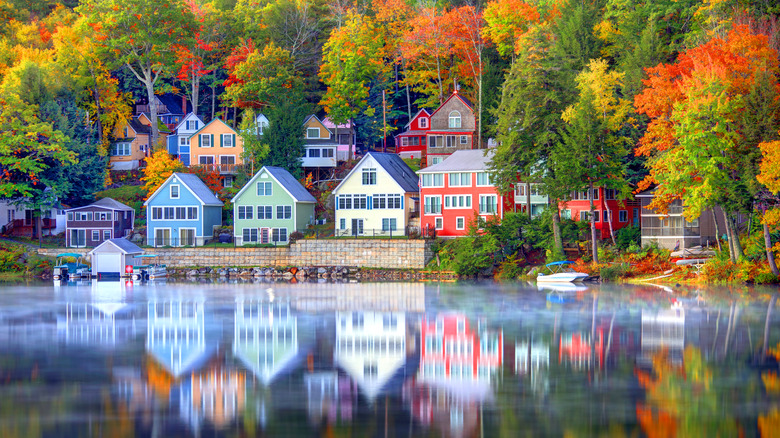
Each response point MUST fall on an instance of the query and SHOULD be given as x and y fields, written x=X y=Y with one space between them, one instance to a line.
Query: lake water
x=390 y=359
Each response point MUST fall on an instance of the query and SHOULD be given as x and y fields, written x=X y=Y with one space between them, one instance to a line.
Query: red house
x=621 y=212
x=452 y=350
x=411 y=143
x=458 y=190
x=452 y=129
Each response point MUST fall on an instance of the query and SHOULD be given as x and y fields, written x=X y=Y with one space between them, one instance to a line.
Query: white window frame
x=227 y=138
x=177 y=191
x=95 y=235
x=265 y=209
x=460 y=223
x=487 y=177
x=368 y=176
x=454 y=120
x=427 y=203
x=265 y=192
x=194 y=236
x=284 y=211
x=201 y=157
x=202 y=143
x=309 y=131
x=438 y=223
x=483 y=204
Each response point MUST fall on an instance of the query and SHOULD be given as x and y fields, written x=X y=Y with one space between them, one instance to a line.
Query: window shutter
x=211 y=137
x=402 y=202
x=370 y=204
x=234 y=140
x=337 y=202
x=220 y=141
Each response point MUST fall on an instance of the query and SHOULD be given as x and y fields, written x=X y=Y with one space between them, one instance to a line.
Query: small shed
x=110 y=257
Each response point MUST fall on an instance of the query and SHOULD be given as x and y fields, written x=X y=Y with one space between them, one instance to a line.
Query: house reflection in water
x=215 y=394
x=663 y=330
x=371 y=349
x=176 y=335
x=458 y=365
x=106 y=320
x=531 y=361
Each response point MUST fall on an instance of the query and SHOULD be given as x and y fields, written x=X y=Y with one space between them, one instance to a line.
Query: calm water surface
x=390 y=359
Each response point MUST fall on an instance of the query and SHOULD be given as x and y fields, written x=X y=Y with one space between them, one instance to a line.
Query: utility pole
x=384 y=122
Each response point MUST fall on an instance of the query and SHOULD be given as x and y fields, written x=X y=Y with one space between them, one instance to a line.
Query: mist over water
x=387 y=359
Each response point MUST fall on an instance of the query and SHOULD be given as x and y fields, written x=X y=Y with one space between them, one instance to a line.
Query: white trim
x=194 y=235
x=251 y=183
x=464 y=222
x=204 y=164
x=669 y=237
x=359 y=165
x=170 y=236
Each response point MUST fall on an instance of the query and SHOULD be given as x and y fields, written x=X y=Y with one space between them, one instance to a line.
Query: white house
x=110 y=258
x=179 y=141
x=379 y=196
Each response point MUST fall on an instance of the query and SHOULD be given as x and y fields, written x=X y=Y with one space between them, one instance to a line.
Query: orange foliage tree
x=158 y=168
x=702 y=109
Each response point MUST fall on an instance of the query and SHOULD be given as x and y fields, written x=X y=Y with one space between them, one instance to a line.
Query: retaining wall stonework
x=361 y=253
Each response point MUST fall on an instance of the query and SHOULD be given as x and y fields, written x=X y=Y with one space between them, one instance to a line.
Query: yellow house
x=130 y=145
x=217 y=146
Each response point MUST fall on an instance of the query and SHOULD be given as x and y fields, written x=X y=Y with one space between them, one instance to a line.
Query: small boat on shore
x=150 y=270
x=560 y=272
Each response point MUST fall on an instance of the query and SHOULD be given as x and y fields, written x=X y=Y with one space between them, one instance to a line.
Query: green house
x=271 y=206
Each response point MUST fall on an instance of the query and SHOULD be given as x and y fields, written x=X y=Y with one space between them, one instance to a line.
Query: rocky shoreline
x=312 y=273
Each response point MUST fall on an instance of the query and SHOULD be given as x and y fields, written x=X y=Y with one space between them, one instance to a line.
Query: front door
x=78 y=238
x=264 y=232
x=357 y=227
x=186 y=237
x=162 y=237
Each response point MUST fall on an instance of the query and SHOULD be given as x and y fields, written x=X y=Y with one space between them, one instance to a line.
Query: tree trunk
x=528 y=198
x=195 y=96
x=408 y=103
x=770 y=255
x=213 y=101
x=608 y=218
x=557 y=237
x=40 y=230
x=729 y=238
x=717 y=228
x=479 y=114
x=153 y=116
x=351 y=136
x=769 y=308
x=594 y=244
x=98 y=123
x=735 y=236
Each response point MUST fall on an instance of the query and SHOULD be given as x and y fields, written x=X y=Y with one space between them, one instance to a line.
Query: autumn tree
x=159 y=166
x=352 y=58
x=698 y=143
x=506 y=22
x=141 y=35
x=592 y=149
x=259 y=78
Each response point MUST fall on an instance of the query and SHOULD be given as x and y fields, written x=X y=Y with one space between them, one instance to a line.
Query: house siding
x=372 y=218
x=601 y=205
x=301 y=212
x=136 y=154
x=208 y=216
x=116 y=227
x=216 y=128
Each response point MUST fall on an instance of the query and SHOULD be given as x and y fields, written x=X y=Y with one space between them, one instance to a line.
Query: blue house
x=179 y=140
x=182 y=212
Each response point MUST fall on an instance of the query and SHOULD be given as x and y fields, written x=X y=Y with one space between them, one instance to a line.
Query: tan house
x=131 y=145
x=453 y=127
x=320 y=147
x=217 y=146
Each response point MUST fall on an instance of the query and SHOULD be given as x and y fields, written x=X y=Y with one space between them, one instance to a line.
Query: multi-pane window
x=451 y=141
x=436 y=141
x=250 y=234
x=460 y=179
x=205 y=140
x=205 y=160
x=460 y=223
x=283 y=211
x=227 y=140
x=192 y=125
x=245 y=211
x=457 y=201
x=264 y=189
x=432 y=205
x=483 y=179
x=264 y=212
x=156 y=213
x=314 y=152
x=369 y=176
x=583 y=215
x=623 y=216
x=388 y=224
x=174 y=191
x=192 y=213
x=345 y=202
x=181 y=212
x=596 y=216
x=95 y=235
x=433 y=180
x=279 y=235
x=454 y=120
x=386 y=201
x=423 y=121
x=312 y=132
x=106 y=234
x=120 y=149
x=327 y=153
x=438 y=223
x=464 y=139
x=183 y=141
x=227 y=159
x=488 y=204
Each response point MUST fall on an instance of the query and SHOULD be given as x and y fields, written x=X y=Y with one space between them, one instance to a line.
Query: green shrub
x=628 y=236
x=765 y=278
x=614 y=271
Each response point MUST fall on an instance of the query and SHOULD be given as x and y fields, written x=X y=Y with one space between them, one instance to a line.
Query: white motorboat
x=560 y=272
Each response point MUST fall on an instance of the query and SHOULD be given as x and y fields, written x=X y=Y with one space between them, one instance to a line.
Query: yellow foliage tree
x=158 y=168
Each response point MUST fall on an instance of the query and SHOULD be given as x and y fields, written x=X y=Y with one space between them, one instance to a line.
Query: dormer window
x=423 y=122
x=454 y=119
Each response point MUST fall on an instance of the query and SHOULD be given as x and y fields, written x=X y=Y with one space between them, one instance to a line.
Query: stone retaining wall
x=361 y=253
